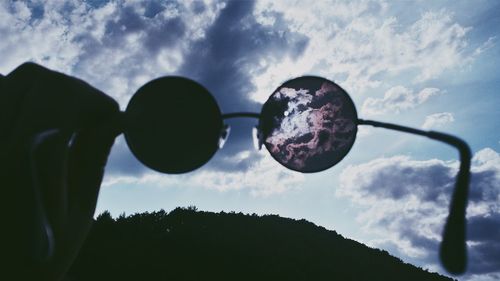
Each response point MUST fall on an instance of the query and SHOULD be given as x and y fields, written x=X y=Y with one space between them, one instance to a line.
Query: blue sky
x=430 y=65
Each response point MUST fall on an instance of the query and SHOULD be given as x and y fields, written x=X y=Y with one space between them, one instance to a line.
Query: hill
x=186 y=244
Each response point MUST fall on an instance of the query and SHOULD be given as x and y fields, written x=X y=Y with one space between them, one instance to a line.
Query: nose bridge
x=256 y=135
x=241 y=115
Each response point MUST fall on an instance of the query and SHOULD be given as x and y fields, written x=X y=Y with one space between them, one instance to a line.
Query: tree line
x=187 y=244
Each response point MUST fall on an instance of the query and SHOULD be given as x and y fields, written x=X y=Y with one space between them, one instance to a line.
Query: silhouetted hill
x=186 y=244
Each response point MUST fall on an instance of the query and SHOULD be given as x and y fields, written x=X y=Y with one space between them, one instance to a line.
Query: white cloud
x=364 y=131
x=120 y=45
x=115 y=47
x=358 y=44
x=406 y=203
x=397 y=99
x=152 y=178
x=437 y=120
x=485 y=46
x=255 y=172
x=487 y=158
x=43 y=39
x=263 y=178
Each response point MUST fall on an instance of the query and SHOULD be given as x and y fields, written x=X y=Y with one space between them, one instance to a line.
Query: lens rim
x=139 y=97
x=350 y=103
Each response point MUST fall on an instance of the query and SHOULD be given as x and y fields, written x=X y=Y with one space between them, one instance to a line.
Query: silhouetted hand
x=56 y=132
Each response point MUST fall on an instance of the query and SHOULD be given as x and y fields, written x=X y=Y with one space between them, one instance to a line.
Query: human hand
x=56 y=132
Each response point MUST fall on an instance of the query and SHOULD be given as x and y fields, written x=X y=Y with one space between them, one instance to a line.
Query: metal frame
x=453 y=249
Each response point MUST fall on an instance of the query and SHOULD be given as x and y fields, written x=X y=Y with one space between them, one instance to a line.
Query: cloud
x=240 y=50
x=406 y=203
x=235 y=45
x=214 y=44
x=437 y=120
x=254 y=172
x=262 y=178
x=363 y=44
x=485 y=46
x=138 y=41
x=116 y=46
x=397 y=99
x=122 y=163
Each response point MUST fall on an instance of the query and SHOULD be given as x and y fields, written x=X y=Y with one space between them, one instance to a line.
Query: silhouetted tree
x=187 y=244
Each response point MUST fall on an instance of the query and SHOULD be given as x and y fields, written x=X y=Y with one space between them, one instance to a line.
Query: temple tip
x=453 y=254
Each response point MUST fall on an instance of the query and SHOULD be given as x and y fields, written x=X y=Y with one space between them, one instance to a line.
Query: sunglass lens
x=308 y=124
x=173 y=125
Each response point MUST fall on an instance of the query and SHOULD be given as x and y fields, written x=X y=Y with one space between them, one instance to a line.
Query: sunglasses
x=309 y=124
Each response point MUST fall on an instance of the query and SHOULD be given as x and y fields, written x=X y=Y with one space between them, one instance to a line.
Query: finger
x=32 y=211
x=32 y=100
x=86 y=161
x=88 y=156
x=49 y=155
x=40 y=99
x=43 y=99
x=13 y=90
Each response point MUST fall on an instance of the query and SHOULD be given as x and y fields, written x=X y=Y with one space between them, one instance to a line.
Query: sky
x=431 y=65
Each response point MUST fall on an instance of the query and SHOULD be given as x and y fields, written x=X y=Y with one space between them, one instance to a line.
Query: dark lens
x=173 y=125
x=308 y=124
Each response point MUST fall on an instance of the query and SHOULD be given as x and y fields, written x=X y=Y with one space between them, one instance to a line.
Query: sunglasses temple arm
x=453 y=251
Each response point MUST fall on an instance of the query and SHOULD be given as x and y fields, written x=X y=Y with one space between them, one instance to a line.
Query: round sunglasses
x=308 y=124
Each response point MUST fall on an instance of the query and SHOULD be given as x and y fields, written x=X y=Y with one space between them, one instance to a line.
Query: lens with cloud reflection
x=308 y=124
